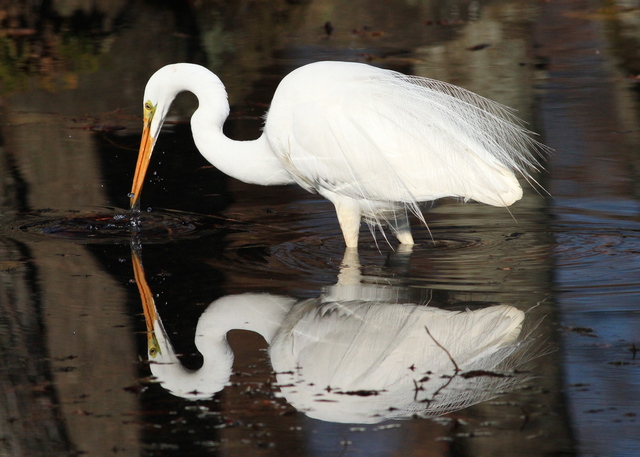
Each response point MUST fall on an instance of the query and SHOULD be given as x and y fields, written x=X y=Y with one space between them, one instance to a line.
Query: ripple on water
x=307 y=254
x=597 y=252
x=457 y=258
x=598 y=262
x=114 y=225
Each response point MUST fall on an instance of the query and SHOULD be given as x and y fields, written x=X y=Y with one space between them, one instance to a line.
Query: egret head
x=159 y=93
x=161 y=90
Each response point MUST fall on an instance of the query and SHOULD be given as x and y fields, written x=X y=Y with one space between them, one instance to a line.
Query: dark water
x=94 y=311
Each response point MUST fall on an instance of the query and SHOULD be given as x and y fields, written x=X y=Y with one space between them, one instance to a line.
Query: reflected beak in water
x=148 y=304
x=144 y=156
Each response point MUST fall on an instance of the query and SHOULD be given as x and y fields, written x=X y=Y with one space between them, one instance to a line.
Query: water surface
x=76 y=375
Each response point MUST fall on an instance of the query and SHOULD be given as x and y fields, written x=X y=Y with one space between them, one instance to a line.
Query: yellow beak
x=148 y=304
x=144 y=157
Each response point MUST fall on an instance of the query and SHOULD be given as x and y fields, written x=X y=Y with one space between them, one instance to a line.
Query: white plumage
x=374 y=142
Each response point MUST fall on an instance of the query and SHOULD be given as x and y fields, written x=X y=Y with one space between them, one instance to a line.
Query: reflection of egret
x=373 y=142
x=357 y=360
x=366 y=362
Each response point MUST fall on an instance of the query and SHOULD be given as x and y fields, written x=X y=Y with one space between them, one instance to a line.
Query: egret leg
x=401 y=227
x=350 y=269
x=348 y=212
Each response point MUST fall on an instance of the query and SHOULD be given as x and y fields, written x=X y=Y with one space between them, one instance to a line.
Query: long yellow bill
x=144 y=157
x=148 y=304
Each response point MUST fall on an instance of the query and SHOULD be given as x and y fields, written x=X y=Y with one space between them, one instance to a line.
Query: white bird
x=374 y=142
x=349 y=357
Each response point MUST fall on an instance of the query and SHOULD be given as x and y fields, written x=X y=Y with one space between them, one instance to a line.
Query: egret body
x=374 y=142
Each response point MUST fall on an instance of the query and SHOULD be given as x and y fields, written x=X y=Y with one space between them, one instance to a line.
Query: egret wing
x=385 y=137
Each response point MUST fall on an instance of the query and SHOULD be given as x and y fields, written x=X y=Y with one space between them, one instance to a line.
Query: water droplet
x=131 y=195
x=149 y=209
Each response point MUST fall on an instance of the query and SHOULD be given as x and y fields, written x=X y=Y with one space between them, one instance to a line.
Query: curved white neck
x=261 y=313
x=252 y=161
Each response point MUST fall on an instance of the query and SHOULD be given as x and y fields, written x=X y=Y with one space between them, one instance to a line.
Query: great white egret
x=351 y=357
x=374 y=142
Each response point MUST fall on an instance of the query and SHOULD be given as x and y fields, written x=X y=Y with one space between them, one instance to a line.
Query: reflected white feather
x=337 y=351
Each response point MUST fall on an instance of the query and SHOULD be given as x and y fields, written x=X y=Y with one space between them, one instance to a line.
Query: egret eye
x=148 y=106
